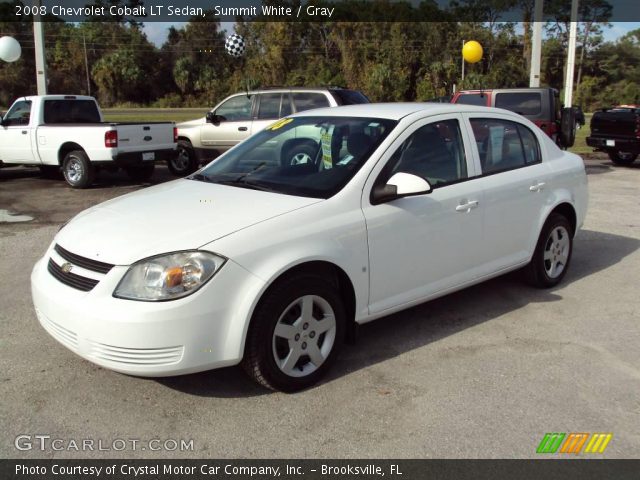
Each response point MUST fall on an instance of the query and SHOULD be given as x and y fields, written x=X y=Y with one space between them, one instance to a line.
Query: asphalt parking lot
x=485 y=372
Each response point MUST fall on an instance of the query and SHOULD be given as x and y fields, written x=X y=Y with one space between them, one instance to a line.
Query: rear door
x=235 y=115
x=270 y=107
x=515 y=184
x=15 y=134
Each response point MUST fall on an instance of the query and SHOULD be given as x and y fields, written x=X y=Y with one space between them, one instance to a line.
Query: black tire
x=300 y=154
x=141 y=173
x=185 y=161
x=263 y=345
x=622 y=158
x=540 y=272
x=50 y=171
x=77 y=169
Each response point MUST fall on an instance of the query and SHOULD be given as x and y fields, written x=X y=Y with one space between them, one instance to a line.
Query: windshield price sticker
x=280 y=124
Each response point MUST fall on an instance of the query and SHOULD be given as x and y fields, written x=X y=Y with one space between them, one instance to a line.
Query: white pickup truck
x=68 y=132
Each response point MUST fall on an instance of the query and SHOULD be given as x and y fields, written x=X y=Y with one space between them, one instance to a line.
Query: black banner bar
x=549 y=469
x=315 y=11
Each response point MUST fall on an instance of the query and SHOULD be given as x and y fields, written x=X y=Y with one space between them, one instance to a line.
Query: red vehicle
x=540 y=105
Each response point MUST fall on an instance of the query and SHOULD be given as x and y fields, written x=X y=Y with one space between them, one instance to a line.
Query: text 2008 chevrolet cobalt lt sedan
x=270 y=255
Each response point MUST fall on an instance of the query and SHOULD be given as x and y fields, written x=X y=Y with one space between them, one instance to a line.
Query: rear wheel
x=295 y=334
x=141 y=173
x=622 y=158
x=552 y=255
x=77 y=169
x=300 y=154
x=185 y=161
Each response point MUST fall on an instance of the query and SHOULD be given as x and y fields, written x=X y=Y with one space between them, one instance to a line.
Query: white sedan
x=272 y=254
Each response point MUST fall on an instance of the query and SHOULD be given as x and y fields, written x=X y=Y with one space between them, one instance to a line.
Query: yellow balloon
x=472 y=51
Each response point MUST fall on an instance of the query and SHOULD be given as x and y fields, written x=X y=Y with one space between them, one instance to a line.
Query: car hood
x=179 y=215
x=191 y=123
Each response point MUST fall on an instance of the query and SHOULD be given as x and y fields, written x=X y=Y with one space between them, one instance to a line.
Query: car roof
x=396 y=111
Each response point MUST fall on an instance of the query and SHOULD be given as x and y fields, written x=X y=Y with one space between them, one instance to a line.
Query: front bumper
x=200 y=332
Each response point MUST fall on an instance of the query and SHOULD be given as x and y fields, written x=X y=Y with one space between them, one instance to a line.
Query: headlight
x=169 y=276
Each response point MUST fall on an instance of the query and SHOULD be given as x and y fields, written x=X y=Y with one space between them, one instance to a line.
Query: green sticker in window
x=280 y=124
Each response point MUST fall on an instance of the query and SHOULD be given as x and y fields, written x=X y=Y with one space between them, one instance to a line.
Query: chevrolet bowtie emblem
x=66 y=267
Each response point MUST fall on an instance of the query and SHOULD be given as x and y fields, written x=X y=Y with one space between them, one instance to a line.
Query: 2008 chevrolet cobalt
x=271 y=254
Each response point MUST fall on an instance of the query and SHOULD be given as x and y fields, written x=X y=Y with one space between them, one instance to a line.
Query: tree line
x=388 y=61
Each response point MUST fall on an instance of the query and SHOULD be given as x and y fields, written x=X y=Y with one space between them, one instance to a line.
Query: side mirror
x=400 y=185
x=2 y=114
x=213 y=118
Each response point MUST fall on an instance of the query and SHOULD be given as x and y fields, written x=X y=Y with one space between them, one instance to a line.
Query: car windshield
x=303 y=156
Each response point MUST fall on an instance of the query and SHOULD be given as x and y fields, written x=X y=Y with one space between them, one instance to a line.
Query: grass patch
x=153 y=114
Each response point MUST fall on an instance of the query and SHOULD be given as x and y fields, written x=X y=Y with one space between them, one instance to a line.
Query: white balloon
x=10 y=50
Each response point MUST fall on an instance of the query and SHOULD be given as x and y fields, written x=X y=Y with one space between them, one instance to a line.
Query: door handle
x=467 y=206
x=24 y=132
x=537 y=187
x=242 y=129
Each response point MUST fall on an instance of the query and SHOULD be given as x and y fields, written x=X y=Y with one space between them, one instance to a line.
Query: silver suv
x=243 y=114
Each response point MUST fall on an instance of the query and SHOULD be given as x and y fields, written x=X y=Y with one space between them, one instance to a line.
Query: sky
x=157 y=31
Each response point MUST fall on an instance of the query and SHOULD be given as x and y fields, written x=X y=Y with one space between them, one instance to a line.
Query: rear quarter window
x=524 y=103
x=309 y=100
x=349 y=97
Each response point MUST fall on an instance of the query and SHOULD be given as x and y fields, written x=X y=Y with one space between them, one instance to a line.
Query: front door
x=234 y=124
x=15 y=134
x=424 y=244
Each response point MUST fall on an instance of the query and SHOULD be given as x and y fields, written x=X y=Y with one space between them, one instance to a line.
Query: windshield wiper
x=200 y=177
x=244 y=183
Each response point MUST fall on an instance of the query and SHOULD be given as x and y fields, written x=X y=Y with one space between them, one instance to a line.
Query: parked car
x=540 y=105
x=258 y=260
x=243 y=114
x=616 y=131
x=68 y=132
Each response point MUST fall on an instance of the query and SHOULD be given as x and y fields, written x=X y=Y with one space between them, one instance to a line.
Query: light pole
x=536 y=45
x=571 y=55
x=38 y=38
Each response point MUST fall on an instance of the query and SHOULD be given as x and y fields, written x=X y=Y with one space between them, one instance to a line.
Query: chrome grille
x=83 y=262
x=71 y=279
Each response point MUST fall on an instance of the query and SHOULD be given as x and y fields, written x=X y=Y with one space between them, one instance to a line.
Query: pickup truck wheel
x=141 y=173
x=295 y=333
x=77 y=169
x=622 y=158
x=185 y=161
x=552 y=255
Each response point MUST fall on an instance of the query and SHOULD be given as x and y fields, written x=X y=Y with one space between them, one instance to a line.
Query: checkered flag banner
x=234 y=45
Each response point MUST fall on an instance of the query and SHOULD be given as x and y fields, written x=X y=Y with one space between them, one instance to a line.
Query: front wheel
x=552 y=255
x=77 y=169
x=622 y=158
x=185 y=161
x=295 y=334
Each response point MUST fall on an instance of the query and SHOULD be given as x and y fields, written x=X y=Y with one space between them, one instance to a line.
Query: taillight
x=111 y=139
x=175 y=134
x=637 y=126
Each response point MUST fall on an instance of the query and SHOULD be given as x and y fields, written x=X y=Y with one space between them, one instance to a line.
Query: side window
x=308 y=100
x=235 y=109
x=434 y=152
x=473 y=99
x=501 y=147
x=269 y=107
x=19 y=114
